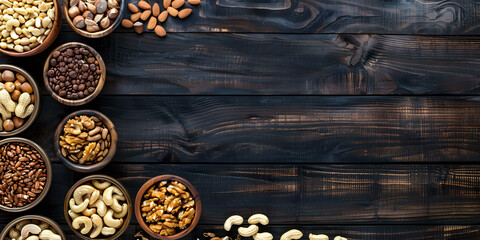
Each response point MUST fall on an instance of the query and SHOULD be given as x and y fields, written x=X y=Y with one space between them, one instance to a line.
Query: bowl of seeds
x=86 y=141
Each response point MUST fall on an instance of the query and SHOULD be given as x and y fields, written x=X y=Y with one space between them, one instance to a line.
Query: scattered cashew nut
x=108 y=231
x=97 y=226
x=30 y=229
x=110 y=221
x=258 y=218
x=317 y=237
x=82 y=220
x=78 y=208
x=233 y=220
x=248 y=232
x=292 y=234
x=263 y=236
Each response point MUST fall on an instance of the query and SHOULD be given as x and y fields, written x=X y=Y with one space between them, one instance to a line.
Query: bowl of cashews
x=32 y=227
x=98 y=207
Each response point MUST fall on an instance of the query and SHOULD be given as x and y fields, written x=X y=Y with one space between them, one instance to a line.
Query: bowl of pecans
x=86 y=141
x=168 y=207
x=25 y=174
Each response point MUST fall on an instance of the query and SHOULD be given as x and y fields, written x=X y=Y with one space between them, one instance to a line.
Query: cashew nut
x=108 y=231
x=85 y=221
x=119 y=197
x=97 y=226
x=292 y=234
x=101 y=185
x=81 y=191
x=317 y=237
x=49 y=235
x=14 y=233
x=233 y=220
x=340 y=238
x=263 y=236
x=21 y=224
x=30 y=229
x=110 y=221
x=73 y=215
x=108 y=195
x=101 y=207
x=248 y=232
x=23 y=109
x=7 y=101
x=123 y=212
x=94 y=197
x=89 y=212
x=258 y=218
x=78 y=208
x=32 y=238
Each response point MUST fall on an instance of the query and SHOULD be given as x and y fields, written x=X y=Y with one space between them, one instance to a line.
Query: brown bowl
x=84 y=167
x=57 y=24
x=50 y=222
x=36 y=93
x=99 y=34
x=98 y=89
x=113 y=181
x=49 y=174
x=151 y=182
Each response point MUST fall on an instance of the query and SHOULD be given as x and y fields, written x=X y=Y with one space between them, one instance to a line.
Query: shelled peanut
x=154 y=16
x=93 y=15
x=85 y=140
x=25 y=24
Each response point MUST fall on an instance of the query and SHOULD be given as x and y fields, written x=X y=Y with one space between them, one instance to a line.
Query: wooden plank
x=265 y=64
x=454 y=17
x=307 y=194
x=282 y=129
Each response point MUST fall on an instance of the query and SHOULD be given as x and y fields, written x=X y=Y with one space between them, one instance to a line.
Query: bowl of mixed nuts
x=29 y=27
x=93 y=18
x=32 y=227
x=98 y=207
x=168 y=207
x=25 y=174
x=19 y=100
x=86 y=141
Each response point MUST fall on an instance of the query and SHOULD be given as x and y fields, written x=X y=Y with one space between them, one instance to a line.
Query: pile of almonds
x=155 y=14
x=93 y=15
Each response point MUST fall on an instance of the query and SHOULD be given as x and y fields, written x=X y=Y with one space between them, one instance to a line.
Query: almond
x=160 y=31
x=127 y=23
x=184 y=13
x=166 y=3
x=144 y=5
x=173 y=12
x=178 y=3
x=152 y=23
x=156 y=10
x=194 y=2
x=163 y=16
x=132 y=8
x=138 y=27
x=145 y=15
x=135 y=17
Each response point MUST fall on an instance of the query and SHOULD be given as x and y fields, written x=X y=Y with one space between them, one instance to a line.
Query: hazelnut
x=79 y=21
x=9 y=86
x=26 y=87
x=73 y=11
x=18 y=122
x=8 y=125
x=32 y=97
x=8 y=76
x=105 y=23
x=138 y=27
x=15 y=95
x=18 y=85
x=20 y=77
x=113 y=13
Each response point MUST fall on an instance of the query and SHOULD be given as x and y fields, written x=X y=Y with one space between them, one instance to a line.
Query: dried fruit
x=152 y=23
x=184 y=13
x=160 y=31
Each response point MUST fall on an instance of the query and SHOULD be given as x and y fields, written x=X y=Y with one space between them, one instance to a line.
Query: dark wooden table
x=346 y=117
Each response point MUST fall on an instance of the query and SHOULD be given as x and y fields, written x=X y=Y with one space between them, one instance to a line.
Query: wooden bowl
x=36 y=93
x=98 y=34
x=57 y=24
x=155 y=180
x=98 y=89
x=113 y=181
x=48 y=166
x=50 y=222
x=84 y=167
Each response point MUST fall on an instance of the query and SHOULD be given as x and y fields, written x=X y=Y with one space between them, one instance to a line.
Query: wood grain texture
x=286 y=64
x=454 y=17
x=282 y=129
x=307 y=194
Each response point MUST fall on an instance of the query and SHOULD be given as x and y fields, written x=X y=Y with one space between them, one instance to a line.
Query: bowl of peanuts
x=29 y=27
x=168 y=207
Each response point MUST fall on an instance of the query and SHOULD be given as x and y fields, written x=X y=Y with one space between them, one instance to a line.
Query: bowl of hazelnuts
x=19 y=100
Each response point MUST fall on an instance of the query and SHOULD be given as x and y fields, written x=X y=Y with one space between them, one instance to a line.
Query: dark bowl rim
x=83 y=167
x=51 y=222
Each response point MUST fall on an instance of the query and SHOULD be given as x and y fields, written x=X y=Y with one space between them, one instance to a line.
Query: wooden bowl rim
x=57 y=24
x=83 y=167
x=190 y=187
x=102 y=177
x=36 y=105
x=101 y=81
x=32 y=217
x=97 y=34
x=48 y=166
